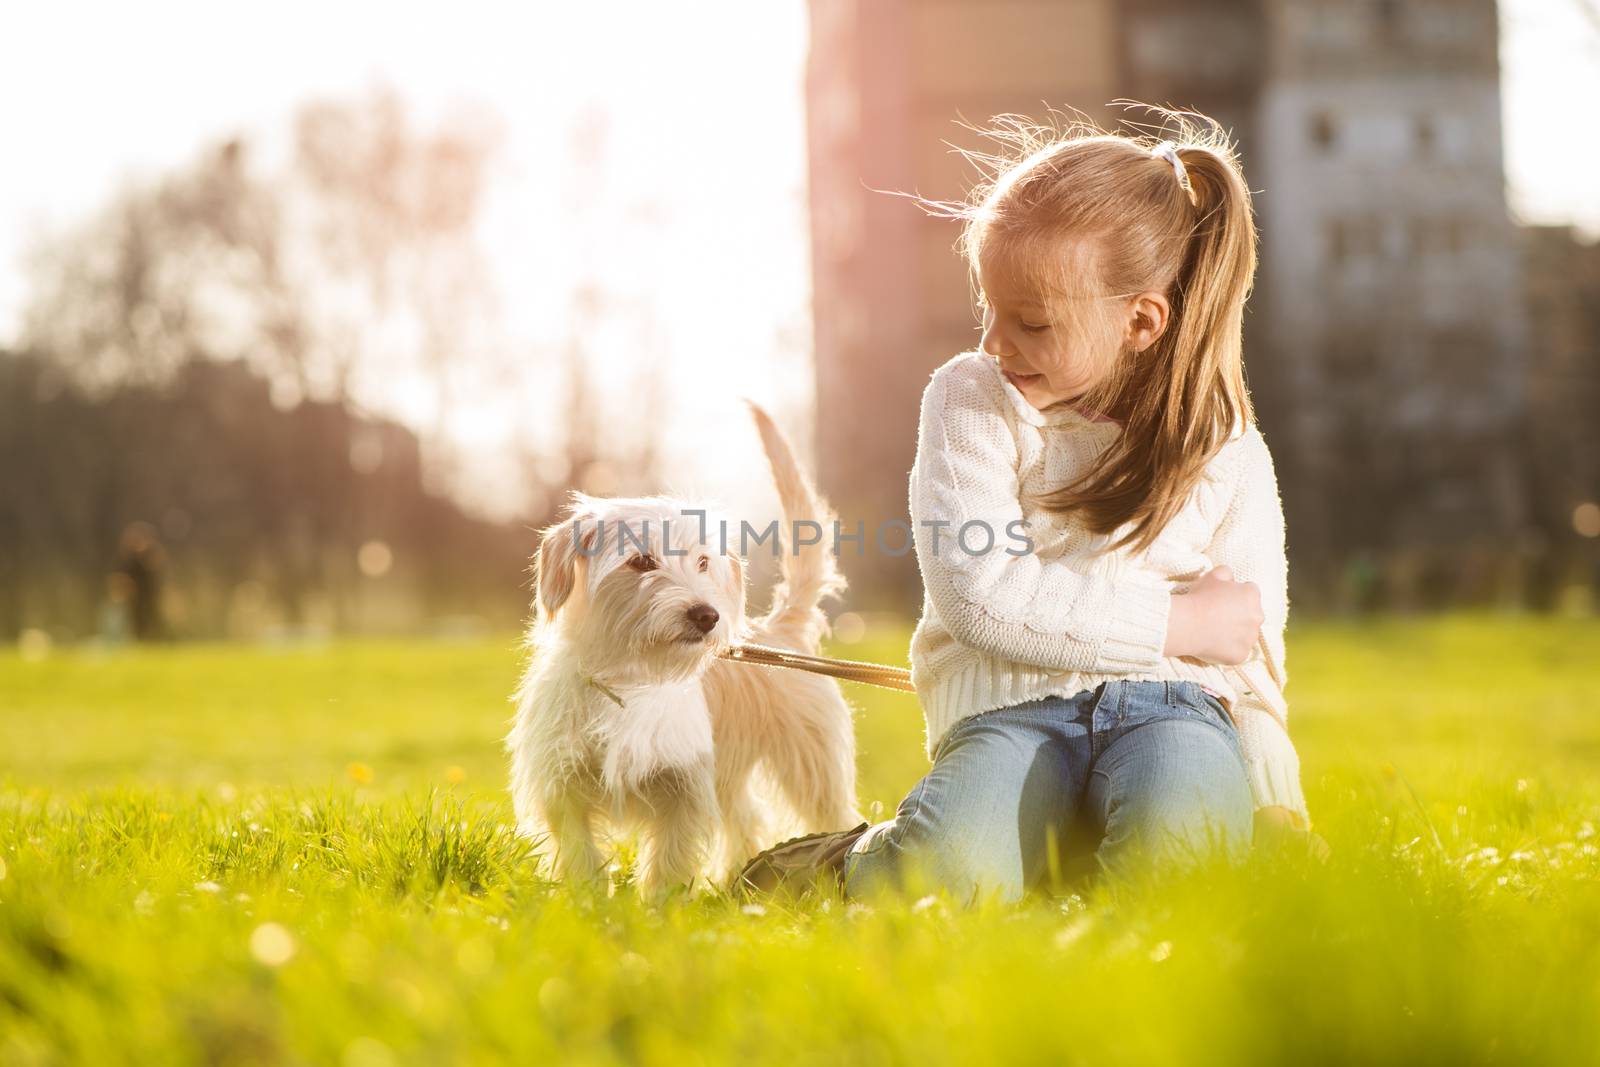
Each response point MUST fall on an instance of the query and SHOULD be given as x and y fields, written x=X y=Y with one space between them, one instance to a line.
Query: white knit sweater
x=998 y=629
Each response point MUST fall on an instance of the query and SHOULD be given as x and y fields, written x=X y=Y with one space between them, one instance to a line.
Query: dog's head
x=649 y=579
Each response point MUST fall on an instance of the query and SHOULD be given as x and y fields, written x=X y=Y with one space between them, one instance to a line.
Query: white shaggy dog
x=625 y=715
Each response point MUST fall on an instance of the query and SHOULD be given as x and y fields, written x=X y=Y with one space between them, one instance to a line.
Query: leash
x=850 y=670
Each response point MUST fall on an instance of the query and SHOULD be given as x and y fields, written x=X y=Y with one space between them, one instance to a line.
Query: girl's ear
x=1149 y=314
x=560 y=561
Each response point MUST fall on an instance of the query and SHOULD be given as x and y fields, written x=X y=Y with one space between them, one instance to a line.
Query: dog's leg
x=678 y=831
x=571 y=821
x=821 y=789
x=804 y=736
x=814 y=763
x=744 y=820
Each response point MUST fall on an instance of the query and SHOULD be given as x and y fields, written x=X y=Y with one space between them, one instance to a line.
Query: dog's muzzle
x=703 y=617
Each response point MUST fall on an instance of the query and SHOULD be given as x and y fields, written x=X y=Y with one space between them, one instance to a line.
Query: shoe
x=800 y=865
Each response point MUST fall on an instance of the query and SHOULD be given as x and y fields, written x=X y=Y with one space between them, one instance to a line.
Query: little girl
x=1123 y=678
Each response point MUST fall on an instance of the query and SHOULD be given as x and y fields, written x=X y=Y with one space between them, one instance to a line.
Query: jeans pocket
x=1202 y=704
x=1218 y=709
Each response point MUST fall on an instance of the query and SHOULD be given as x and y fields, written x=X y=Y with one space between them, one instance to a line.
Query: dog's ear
x=561 y=551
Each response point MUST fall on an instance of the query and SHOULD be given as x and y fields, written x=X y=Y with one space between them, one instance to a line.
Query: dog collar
x=607 y=690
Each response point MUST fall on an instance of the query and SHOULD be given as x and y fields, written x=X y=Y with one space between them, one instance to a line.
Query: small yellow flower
x=359 y=773
x=455 y=775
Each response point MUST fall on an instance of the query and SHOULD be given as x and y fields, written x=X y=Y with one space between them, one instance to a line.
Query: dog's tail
x=806 y=551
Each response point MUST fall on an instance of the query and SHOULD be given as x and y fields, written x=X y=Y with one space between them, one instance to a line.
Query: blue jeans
x=1132 y=772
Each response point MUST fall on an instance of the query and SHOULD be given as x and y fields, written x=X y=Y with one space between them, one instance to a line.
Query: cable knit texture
x=1001 y=625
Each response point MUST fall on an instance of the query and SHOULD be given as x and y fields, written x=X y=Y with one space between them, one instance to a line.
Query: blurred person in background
x=136 y=582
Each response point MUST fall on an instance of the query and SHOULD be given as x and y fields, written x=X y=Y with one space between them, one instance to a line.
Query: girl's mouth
x=1022 y=380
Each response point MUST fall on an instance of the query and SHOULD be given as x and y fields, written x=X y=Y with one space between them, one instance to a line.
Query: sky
x=703 y=112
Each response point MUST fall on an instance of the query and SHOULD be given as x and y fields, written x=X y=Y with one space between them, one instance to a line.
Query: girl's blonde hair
x=1090 y=216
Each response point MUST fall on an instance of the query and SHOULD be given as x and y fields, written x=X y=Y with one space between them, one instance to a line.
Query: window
x=1323 y=132
x=1425 y=135
x=1389 y=14
x=1353 y=239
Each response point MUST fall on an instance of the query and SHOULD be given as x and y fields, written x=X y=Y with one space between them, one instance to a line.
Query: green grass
x=229 y=855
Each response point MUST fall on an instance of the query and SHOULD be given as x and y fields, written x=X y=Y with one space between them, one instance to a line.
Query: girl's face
x=1046 y=354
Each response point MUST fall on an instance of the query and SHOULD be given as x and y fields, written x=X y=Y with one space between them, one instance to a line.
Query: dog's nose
x=704 y=616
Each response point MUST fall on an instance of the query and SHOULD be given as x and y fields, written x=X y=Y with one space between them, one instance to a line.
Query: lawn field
x=228 y=855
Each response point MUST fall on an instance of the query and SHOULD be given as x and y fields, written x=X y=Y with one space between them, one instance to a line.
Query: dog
x=626 y=717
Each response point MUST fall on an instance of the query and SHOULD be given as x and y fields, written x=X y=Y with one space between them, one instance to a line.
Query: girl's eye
x=705 y=564
x=644 y=563
x=1035 y=327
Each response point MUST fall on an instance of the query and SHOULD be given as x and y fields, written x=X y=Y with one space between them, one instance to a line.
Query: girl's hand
x=1218 y=620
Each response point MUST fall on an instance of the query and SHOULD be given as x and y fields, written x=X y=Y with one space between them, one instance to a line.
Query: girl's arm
x=1250 y=542
x=965 y=490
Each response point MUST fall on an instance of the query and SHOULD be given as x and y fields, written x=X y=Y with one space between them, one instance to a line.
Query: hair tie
x=1168 y=151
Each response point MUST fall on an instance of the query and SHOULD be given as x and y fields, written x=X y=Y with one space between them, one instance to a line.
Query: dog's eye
x=705 y=564
x=644 y=563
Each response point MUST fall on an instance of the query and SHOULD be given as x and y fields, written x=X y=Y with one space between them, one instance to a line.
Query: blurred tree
x=392 y=213
x=361 y=258
x=264 y=513
x=198 y=350
x=599 y=448
x=352 y=264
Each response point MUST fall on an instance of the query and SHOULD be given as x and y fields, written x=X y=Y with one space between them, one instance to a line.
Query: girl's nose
x=993 y=343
